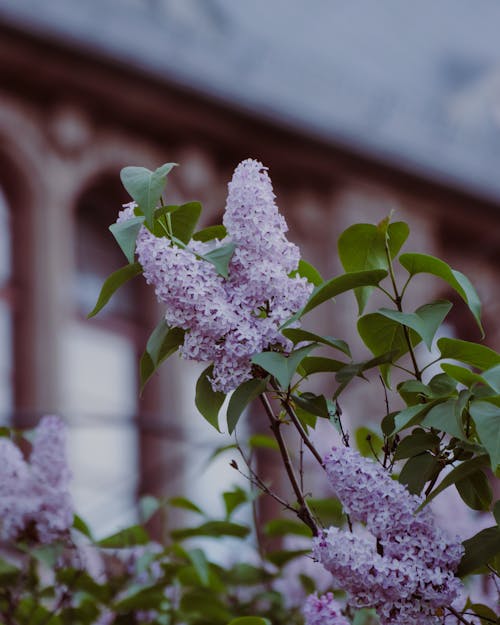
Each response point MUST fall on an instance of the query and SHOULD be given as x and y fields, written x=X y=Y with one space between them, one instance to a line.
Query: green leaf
x=262 y=441
x=8 y=572
x=203 y=603
x=479 y=550
x=48 y=555
x=184 y=220
x=306 y=419
x=413 y=391
x=148 y=506
x=210 y=233
x=353 y=369
x=382 y=335
x=492 y=377
x=282 y=557
x=145 y=186
x=409 y=416
x=446 y=418
x=233 y=499
x=442 y=385
x=208 y=401
x=309 y=272
x=367 y=442
x=329 y=511
x=80 y=525
x=185 y=504
x=250 y=620
x=242 y=396
x=341 y=284
x=472 y=354
x=496 y=511
x=397 y=233
x=282 y=367
x=314 y=404
x=284 y=527
x=128 y=537
x=113 y=283
x=417 y=471
x=363 y=247
x=461 y=374
x=163 y=342
x=125 y=233
x=242 y=574
x=486 y=614
x=139 y=599
x=425 y=320
x=418 y=442
x=487 y=420
x=297 y=335
x=214 y=529
x=319 y=364
x=365 y=616
x=423 y=263
x=220 y=257
x=475 y=490
x=460 y=472
x=200 y=564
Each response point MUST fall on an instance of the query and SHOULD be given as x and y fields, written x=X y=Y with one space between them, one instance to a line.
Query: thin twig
x=296 y=422
x=458 y=615
x=483 y=618
x=301 y=464
x=496 y=573
x=387 y=407
x=255 y=480
x=343 y=433
x=397 y=300
x=303 y=512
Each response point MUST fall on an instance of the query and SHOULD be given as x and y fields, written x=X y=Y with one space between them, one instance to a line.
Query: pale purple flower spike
x=323 y=610
x=35 y=495
x=406 y=568
x=227 y=321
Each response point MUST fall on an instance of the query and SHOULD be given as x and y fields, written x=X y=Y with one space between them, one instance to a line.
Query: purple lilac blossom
x=404 y=566
x=323 y=610
x=35 y=495
x=227 y=321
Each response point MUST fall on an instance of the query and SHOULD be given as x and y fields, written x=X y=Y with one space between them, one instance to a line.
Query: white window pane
x=99 y=399
x=5 y=363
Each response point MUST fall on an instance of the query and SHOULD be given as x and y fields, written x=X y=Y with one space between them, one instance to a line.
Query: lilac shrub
x=227 y=321
x=323 y=610
x=234 y=297
x=404 y=566
x=34 y=495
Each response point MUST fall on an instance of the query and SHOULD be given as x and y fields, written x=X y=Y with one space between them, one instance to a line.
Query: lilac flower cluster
x=403 y=566
x=34 y=495
x=228 y=321
x=323 y=610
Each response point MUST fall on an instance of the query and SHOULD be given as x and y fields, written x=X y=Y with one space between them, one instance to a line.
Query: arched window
x=6 y=305
x=101 y=388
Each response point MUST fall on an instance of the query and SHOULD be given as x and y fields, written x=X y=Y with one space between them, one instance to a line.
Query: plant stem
x=397 y=300
x=458 y=615
x=298 y=425
x=304 y=513
x=255 y=480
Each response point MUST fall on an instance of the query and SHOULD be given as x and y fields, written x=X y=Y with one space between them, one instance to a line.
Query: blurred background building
x=357 y=109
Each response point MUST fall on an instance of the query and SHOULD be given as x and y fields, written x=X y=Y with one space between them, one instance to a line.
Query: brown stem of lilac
x=397 y=301
x=304 y=513
x=298 y=425
x=431 y=484
x=458 y=615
